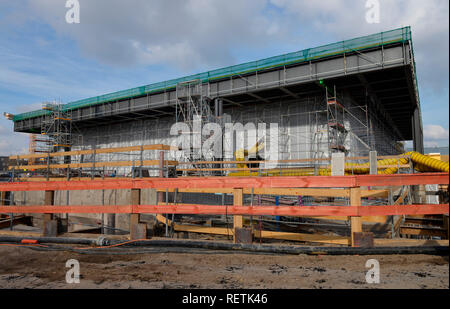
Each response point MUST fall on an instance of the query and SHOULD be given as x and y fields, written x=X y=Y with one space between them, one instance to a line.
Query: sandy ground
x=25 y=268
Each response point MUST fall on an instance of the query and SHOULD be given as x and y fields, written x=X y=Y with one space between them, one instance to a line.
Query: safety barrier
x=349 y=186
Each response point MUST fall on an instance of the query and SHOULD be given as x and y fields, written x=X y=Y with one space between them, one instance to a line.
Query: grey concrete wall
x=89 y=197
x=302 y=124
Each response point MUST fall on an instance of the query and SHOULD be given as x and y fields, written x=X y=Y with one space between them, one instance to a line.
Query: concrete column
x=218 y=107
x=418 y=131
x=338 y=164
x=373 y=163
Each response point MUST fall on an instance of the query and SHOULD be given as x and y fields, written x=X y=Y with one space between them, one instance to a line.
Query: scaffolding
x=194 y=109
x=57 y=126
x=337 y=132
x=305 y=130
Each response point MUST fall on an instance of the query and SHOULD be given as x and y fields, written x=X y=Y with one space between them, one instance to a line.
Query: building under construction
x=352 y=97
x=348 y=101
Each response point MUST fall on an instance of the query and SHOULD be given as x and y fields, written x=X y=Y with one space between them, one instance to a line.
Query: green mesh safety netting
x=374 y=40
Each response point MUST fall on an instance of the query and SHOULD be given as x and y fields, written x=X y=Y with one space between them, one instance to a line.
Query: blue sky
x=125 y=44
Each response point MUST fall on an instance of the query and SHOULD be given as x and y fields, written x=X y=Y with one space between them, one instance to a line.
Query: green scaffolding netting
x=374 y=40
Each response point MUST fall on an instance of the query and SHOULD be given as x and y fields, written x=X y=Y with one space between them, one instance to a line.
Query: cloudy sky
x=124 y=44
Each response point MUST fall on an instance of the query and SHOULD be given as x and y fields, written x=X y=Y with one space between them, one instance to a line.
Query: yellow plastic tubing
x=422 y=164
x=427 y=163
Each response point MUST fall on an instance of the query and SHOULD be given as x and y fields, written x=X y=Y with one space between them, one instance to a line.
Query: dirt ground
x=26 y=268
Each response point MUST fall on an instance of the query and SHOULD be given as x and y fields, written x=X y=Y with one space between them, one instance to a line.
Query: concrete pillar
x=338 y=164
x=373 y=163
x=418 y=131
x=218 y=107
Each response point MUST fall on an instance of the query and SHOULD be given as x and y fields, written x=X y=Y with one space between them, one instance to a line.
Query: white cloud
x=429 y=21
x=435 y=133
x=11 y=143
x=194 y=34
x=184 y=33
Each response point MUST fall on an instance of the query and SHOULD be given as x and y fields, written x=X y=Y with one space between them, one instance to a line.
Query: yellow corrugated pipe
x=428 y=163
x=422 y=164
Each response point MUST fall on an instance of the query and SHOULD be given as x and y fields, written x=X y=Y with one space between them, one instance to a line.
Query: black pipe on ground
x=293 y=250
x=100 y=241
x=296 y=250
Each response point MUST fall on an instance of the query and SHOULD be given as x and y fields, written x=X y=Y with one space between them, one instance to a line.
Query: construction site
x=312 y=164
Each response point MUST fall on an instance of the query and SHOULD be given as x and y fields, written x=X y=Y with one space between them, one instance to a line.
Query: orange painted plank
x=292 y=211
x=398 y=210
x=183 y=183
x=235 y=182
x=402 y=179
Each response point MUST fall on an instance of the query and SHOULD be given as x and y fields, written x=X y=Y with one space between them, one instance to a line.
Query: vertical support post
x=48 y=166
x=446 y=225
x=417 y=130
x=6 y=198
x=49 y=227
x=2 y=198
x=373 y=163
x=338 y=169
x=103 y=204
x=338 y=164
x=161 y=174
x=68 y=193
x=391 y=202
x=251 y=204
x=142 y=161
x=93 y=164
x=238 y=200
x=356 y=222
x=277 y=203
x=111 y=218
x=175 y=201
x=137 y=230
x=167 y=215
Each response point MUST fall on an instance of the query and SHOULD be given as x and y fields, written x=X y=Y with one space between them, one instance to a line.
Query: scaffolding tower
x=56 y=127
x=337 y=132
x=193 y=108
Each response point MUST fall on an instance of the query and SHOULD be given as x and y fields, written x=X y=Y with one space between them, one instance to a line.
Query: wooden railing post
x=238 y=221
x=2 y=198
x=137 y=230
x=356 y=222
x=161 y=174
x=50 y=226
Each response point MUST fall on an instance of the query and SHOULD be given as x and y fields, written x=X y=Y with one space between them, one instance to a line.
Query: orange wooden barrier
x=289 y=211
x=231 y=182
x=356 y=212
x=242 y=182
